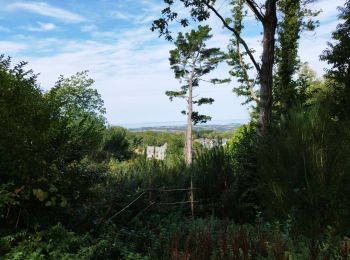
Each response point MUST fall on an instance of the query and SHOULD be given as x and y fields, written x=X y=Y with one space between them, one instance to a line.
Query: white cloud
x=4 y=29
x=88 y=28
x=121 y=16
x=312 y=45
x=134 y=19
x=10 y=48
x=329 y=9
x=132 y=73
x=148 y=11
x=47 y=10
x=41 y=27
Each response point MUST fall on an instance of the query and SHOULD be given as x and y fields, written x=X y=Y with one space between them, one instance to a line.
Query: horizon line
x=180 y=123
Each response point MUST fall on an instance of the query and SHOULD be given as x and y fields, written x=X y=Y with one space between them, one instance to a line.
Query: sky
x=129 y=63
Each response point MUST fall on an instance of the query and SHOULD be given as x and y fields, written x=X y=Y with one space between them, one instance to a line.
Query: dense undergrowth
x=235 y=218
x=174 y=237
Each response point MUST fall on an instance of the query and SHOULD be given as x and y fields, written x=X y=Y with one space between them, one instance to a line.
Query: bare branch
x=256 y=10
x=246 y=77
x=250 y=54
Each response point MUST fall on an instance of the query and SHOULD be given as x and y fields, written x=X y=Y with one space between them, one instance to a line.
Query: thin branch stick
x=175 y=203
x=19 y=215
x=8 y=211
x=205 y=80
x=250 y=54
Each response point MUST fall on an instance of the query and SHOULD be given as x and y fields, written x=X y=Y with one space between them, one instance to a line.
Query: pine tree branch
x=235 y=32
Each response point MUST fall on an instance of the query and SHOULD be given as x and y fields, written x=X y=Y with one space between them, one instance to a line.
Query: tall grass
x=305 y=169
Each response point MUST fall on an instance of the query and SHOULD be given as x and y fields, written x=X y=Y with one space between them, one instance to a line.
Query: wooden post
x=192 y=197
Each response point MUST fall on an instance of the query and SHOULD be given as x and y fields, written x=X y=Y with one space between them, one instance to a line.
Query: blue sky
x=112 y=39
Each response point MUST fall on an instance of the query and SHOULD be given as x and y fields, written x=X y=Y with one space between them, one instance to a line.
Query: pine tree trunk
x=267 y=61
x=189 y=125
x=189 y=140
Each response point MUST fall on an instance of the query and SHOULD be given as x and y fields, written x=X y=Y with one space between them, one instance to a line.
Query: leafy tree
x=338 y=56
x=296 y=17
x=116 y=144
x=309 y=87
x=190 y=61
x=25 y=120
x=287 y=53
x=81 y=113
x=29 y=145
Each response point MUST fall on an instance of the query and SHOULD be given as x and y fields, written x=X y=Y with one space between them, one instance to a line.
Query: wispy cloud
x=11 y=48
x=4 y=29
x=329 y=10
x=133 y=19
x=47 y=10
x=132 y=68
x=121 y=16
x=88 y=28
x=148 y=11
x=41 y=27
x=130 y=63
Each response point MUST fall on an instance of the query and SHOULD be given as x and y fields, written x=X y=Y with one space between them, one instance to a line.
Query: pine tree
x=190 y=61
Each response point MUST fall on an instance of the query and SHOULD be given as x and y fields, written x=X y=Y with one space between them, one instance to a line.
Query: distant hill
x=181 y=128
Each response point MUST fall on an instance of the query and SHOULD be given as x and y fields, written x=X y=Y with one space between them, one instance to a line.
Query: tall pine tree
x=190 y=61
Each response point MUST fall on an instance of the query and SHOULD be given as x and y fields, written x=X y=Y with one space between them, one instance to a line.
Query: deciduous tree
x=295 y=18
x=81 y=114
x=338 y=56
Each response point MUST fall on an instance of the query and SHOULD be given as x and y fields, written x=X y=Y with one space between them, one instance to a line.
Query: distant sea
x=182 y=123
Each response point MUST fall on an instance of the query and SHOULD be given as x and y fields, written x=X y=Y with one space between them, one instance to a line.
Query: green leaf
x=40 y=194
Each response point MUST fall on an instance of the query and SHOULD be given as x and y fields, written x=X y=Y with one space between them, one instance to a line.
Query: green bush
x=59 y=243
x=115 y=144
